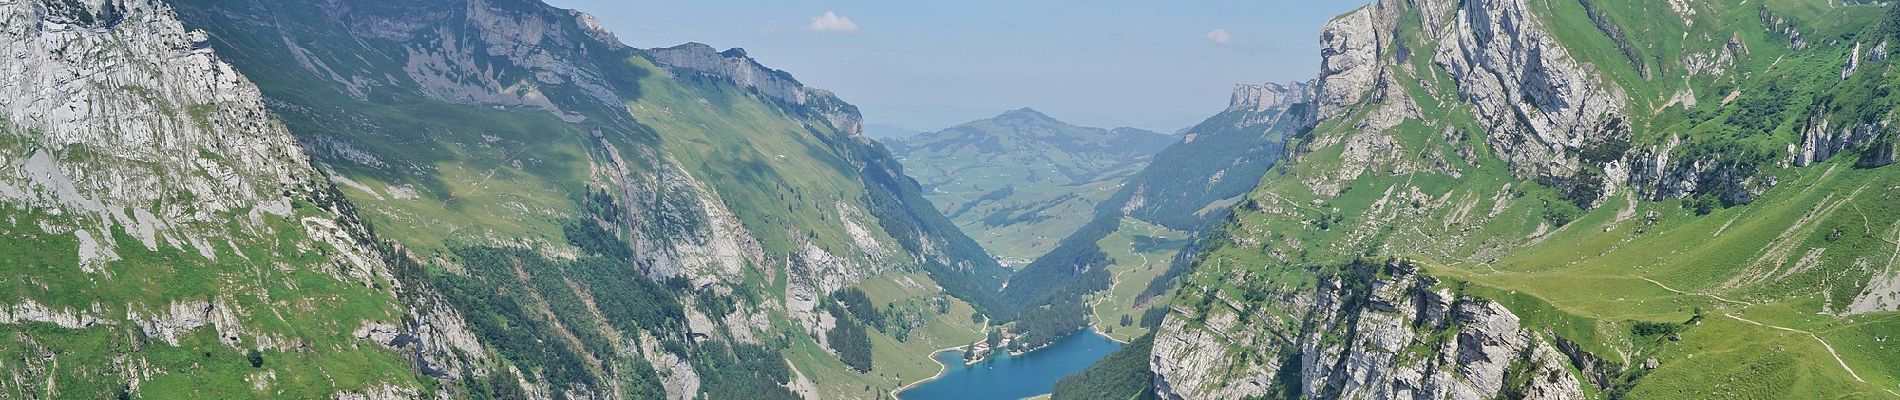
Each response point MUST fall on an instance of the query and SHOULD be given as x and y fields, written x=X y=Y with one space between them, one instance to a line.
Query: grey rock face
x=1404 y=340
x=1536 y=101
x=121 y=119
x=32 y=311
x=141 y=91
x=1541 y=108
x=1349 y=56
x=733 y=65
x=1820 y=140
x=1269 y=96
x=537 y=43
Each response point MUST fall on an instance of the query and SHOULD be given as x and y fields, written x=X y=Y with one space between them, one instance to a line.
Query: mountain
x=447 y=199
x=1593 y=199
x=1022 y=180
x=1110 y=271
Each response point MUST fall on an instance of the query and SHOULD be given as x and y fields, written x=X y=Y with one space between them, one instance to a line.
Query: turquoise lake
x=1013 y=377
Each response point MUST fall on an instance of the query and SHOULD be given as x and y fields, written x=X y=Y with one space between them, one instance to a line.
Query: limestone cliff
x=1269 y=96
x=734 y=65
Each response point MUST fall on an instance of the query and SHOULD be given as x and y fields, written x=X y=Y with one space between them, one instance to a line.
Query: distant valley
x=1021 y=181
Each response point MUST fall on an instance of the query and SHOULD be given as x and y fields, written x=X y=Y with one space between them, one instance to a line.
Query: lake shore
x=944 y=368
x=1111 y=338
x=941 y=369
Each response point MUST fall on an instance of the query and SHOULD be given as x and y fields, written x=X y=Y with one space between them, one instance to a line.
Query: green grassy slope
x=1772 y=281
x=1140 y=253
x=274 y=307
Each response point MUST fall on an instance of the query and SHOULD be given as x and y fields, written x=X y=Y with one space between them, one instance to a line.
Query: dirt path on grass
x=1817 y=338
x=1709 y=295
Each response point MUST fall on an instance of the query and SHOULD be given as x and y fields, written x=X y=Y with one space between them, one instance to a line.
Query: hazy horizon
x=1154 y=66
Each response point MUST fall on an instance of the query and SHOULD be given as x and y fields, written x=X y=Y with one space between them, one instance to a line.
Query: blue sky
x=926 y=65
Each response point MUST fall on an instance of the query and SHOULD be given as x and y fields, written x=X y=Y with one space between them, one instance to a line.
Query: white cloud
x=1219 y=36
x=831 y=22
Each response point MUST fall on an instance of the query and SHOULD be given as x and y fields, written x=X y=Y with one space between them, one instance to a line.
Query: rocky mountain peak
x=1025 y=114
x=1268 y=96
x=592 y=27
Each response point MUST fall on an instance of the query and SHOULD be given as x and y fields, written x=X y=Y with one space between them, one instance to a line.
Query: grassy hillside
x=1140 y=253
x=270 y=309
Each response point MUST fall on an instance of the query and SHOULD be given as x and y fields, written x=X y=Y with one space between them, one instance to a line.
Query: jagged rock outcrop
x=1268 y=105
x=117 y=108
x=180 y=317
x=1538 y=104
x=1820 y=140
x=536 y=43
x=1269 y=96
x=32 y=311
x=676 y=224
x=1380 y=338
x=1543 y=111
x=1781 y=25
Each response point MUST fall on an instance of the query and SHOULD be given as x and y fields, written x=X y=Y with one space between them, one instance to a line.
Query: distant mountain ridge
x=1028 y=129
x=1021 y=180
